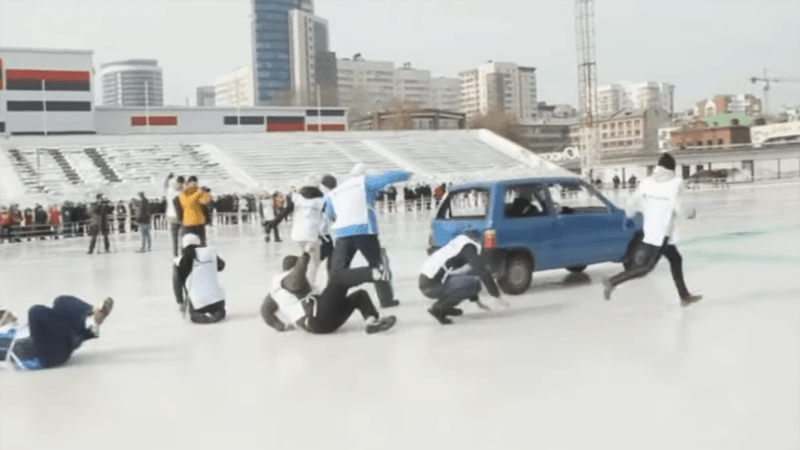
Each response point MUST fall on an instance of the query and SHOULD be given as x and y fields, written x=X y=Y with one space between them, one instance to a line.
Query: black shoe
x=382 y=324
x=278 y=240
x=440 y=316
x=453 y=312
x=89 y=252
x=266 y=239
x=690 y=299
x=390 y=303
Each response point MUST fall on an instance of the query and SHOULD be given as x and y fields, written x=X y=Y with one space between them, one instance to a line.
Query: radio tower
x=587 y=86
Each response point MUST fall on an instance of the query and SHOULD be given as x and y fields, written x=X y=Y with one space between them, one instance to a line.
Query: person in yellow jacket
x=193 y=200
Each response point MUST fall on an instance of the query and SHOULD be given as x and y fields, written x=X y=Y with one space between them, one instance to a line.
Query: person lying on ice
x=195 y=275
x=51 y=334
x=291 y=302
x=437 y=281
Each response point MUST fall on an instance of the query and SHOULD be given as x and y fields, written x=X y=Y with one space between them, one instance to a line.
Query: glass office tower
x=271 y=54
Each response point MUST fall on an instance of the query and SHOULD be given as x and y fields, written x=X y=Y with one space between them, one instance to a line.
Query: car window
x=524 y=201
x=575 y=199
x=467 y=203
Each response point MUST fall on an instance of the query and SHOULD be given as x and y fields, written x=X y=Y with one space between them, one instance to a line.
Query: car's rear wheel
x=635 y=253
x=576 y=269
x=518 y=276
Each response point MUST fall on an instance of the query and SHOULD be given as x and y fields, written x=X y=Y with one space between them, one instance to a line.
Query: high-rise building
x=446 y=94
x=235 y=88
x=313 y=64
x=206 y=96
x=272 y=64
x=135 y=82
x=365 y=86
x=627 y=95
x=412 y=86
x=502 y=87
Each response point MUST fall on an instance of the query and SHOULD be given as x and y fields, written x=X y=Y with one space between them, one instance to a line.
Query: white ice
x=560 y=369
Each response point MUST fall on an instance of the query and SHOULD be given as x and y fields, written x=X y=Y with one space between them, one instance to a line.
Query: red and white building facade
x=46 y=92
x=51 y=92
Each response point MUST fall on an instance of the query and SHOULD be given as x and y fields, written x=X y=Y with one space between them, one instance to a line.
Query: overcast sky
x=704 y=47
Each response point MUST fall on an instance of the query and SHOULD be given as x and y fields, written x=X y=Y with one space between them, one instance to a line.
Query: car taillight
x=489 y=239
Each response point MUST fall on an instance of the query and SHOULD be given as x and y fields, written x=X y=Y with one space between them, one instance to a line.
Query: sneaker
x=440 y=316
x=390 y=303
x=386 y=272
x=607 y=288
x=691 y=299
x=382 y=324
x=101 y=313
x=453 y=312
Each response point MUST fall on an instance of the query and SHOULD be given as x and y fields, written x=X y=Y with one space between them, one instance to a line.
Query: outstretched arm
x=475 y=261
x=296 y=280
x=375 y=183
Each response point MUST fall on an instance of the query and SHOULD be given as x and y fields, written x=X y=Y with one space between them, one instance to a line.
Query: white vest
x=437 y=261
x=203 y=283
x=267 y=206
x=290 y=309
x=350 y=203
x=659 y=207
x=306 y=219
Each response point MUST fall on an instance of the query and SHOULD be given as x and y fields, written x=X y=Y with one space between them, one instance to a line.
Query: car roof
x=490 y=183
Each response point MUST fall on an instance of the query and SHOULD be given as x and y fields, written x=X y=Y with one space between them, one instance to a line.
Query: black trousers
x=270 y=226
x=58 y=331
x=95 y=232
x=212 y=313
x=345 y=249
x=651 y=256
x=331 y=309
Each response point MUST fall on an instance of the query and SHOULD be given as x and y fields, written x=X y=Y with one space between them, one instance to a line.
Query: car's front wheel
x=635 y=253
x=518 y=276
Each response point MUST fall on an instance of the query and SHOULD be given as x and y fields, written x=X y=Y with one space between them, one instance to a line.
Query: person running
x=658 y=198
x=195 y=281
x=436 y=280
x=52 y=334
x=355 y=226
x=291 y=303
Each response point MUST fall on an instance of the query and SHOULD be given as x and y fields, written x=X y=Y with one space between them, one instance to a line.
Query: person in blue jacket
x=52 y=333
x=351 y=207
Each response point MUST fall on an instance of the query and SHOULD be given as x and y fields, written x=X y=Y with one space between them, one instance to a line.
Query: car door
x=585 y=226
x=527 y=222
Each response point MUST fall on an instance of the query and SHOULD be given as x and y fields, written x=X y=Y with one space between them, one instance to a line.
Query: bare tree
x=499 y=122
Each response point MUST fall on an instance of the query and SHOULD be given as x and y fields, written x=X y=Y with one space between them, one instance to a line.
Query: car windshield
x=467 y=203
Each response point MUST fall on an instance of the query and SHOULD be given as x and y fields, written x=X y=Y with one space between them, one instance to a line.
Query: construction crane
x=587 y=86
x=767 y=80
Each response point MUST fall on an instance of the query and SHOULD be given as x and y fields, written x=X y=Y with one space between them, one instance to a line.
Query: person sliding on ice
x=291 y=302
x=355 y=225
x=306 y=206
x=195 y=281
x=658 y=198
x=436 y=280
x=51 y=334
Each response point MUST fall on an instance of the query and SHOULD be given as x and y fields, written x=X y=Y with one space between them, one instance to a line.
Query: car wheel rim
x=517 y=275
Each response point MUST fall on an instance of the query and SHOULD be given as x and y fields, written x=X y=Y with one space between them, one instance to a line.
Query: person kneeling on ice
x=51 y=334
x=436 y=280
x=290 y=301
x=195 y=276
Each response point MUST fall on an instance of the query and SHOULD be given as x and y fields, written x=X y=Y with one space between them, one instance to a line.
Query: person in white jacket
x=195 y=281
x=306 y=206
x=173 y=189
x=658 y=198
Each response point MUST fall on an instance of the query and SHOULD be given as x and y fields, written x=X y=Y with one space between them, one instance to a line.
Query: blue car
x=537 y=224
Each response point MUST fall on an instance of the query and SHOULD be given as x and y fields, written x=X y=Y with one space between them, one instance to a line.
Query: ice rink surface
x=560 y=369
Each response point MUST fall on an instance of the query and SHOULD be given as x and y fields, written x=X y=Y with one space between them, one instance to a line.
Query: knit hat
x=190 y=239
x=667 y=161
x=329 y=181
